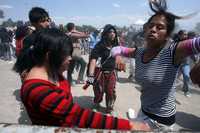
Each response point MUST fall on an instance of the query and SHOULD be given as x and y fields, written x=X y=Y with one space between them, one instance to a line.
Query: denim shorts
x=152 y=123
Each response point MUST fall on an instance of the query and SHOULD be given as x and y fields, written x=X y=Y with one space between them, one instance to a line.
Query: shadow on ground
x=84 y=101
x=87 y=102
x=123 y=80
x=188 y=121
x=23 y=119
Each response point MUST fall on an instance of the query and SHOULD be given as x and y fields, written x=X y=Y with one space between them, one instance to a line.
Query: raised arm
x=79 y=35
x=187 y=48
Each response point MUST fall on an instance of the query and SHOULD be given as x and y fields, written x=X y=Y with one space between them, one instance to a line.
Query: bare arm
x=78 y=35
x=92 y=67
x=187 y=48
x=124 y=51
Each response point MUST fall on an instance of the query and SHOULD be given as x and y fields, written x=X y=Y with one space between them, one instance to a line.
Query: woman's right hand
x=139 y=126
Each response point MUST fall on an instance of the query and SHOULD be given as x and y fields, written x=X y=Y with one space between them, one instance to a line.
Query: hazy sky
x=99 y=12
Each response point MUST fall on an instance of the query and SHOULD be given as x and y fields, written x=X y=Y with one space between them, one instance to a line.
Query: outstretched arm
x=187 y=48
x=122 y=51
x=119 y=51
x=79 y=35
x=57 y=106
x=92 y=67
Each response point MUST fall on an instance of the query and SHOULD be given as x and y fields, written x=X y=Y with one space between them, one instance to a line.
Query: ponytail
x=25 y=60
x=159 y=7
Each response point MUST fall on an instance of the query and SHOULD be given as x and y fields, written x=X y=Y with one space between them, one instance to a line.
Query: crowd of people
x=44 y=53
x=45 y=92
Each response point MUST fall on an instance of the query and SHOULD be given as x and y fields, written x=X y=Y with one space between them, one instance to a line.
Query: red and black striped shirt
x=48 y=104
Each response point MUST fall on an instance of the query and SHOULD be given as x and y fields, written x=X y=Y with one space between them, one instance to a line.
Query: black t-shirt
x=29 y=40
x=101 y=51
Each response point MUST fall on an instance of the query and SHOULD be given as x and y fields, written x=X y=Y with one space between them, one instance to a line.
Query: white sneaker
x=10 y=62
x=187 y=94
x=131 y=113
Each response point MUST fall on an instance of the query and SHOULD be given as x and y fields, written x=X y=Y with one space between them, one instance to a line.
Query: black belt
x=163 y=120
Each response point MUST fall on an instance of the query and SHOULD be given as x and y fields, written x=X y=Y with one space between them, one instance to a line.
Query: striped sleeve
x=58 y=105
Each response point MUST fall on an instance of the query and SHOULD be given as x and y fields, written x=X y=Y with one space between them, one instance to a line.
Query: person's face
x=65 y=64
x=45 y=23
x=156 y=31
x=184 y=36
x=111 y=34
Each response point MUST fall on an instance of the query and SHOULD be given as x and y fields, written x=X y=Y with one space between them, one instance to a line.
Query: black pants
x=76 y=61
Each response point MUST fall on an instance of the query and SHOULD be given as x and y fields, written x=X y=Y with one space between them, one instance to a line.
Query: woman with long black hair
x=47 y=95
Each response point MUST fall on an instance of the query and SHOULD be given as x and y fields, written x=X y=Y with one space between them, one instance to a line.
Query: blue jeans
x=185 y=69
x=152 y=123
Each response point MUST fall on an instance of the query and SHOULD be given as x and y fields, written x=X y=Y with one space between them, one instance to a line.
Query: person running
x=157 y=65
x=185 y=65
x=103 y=78
x=47 y=95
x=77 y=59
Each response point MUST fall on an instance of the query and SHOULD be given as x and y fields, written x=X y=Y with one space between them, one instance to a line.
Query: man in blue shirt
x=94 y=38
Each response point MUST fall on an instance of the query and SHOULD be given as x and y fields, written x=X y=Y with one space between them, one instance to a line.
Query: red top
x=48 y=104
x=19 y=45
